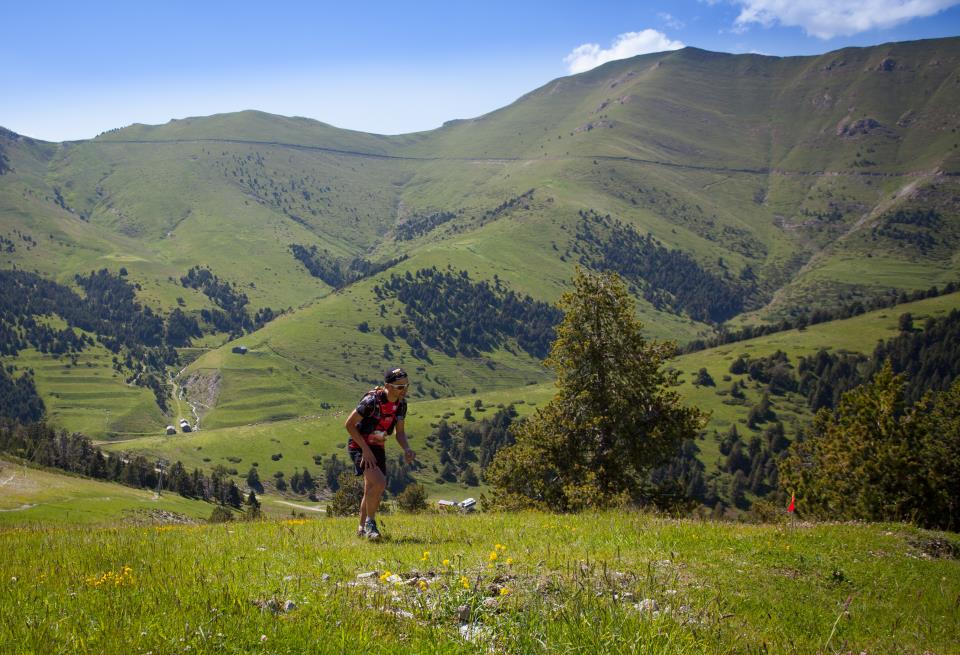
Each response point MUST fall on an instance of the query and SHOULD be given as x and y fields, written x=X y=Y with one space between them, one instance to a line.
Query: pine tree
x=413 y=498
x=346 y=501
x=614 y=417
x=307 y=483
x=878 y=459
x=253 y=480
x=233 y=497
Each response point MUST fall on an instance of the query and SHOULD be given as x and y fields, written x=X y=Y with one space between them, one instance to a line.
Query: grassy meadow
x=35 y=497
x=503 y=583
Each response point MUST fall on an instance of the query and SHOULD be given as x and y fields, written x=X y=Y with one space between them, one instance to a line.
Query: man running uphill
x=380 y=412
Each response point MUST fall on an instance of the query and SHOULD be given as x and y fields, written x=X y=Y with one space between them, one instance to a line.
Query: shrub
x=346 y=501
x=220 y=514
x=413 y=498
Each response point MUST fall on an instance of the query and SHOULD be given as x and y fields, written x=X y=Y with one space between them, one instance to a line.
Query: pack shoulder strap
x=375 y=392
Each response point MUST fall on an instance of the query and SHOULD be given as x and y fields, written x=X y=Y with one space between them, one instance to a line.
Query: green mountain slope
x=727 y=188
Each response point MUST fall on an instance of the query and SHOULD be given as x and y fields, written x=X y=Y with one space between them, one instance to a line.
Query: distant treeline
x=19 y=400
x=668 y=279
x=930 y=358
x=420 y=224
x=682 y=479
x=4 y=162
x=471 y=445
x=750 y=462
x=43 y=445
x=918 y=227
x=743 y=466
x=820 y=315
x=507 y=205
x=109 y=310
x=454 y=314
x=338 y=272
x=234 y=317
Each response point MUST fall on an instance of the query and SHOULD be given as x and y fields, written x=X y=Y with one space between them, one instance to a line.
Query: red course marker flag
x=792 y=505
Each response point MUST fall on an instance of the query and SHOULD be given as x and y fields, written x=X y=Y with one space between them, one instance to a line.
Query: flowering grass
x=517 y=583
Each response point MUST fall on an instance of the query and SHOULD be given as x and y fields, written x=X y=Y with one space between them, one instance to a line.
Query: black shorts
x=379 y=452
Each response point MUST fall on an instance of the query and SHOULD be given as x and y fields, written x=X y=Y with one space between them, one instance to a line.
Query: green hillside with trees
x=253 y=274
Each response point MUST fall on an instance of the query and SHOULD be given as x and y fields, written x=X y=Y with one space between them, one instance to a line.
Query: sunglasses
x=397 y=386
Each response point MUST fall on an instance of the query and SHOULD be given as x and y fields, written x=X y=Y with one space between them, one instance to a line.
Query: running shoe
x=370 y=530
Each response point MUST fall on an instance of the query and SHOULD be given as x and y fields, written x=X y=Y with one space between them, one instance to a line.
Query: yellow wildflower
x=464 y=582
x=509 y=561
x=446 y=563
x=423 y=585
x=426 y=556
x=493 y=556
x=500 y=547
x=504 y=591
x=123 y=577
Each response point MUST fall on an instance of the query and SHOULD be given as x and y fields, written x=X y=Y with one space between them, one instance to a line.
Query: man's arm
x=351 y=424
x=408 y=453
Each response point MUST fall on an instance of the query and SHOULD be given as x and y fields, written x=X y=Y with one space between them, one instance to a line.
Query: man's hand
x=409 y=455
x=368 y=460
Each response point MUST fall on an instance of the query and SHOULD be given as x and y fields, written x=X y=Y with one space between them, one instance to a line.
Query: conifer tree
x=879 y=459
x=613 y=418
x=253 y=480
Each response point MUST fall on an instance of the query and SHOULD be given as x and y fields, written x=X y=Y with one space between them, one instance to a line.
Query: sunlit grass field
x=30 y=496
x=322 y=434
x=511 y=583
x=858 y=334
x=89 y=396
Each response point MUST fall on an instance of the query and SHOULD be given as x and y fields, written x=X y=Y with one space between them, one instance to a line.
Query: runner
x=380 y=412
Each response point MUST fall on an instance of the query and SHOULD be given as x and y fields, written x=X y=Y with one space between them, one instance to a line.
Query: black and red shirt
x=380 y=416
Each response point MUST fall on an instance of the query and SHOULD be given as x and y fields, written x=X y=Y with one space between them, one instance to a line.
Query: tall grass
x=517 y=583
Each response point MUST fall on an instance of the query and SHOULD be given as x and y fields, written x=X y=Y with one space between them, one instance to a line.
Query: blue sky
x=73 y=70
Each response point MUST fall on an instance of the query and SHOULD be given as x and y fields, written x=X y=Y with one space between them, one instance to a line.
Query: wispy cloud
x=590 y=55
x=671 y=21
x=826 y=19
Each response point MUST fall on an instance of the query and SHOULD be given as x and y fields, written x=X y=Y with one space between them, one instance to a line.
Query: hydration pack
x=369 y=423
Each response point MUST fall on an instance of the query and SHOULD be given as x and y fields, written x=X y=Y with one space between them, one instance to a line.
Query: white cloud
x=829 y=18
x=671 y=21
x=629 y=44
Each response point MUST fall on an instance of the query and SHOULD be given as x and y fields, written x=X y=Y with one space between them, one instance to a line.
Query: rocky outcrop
x=593 y=125
x=860 y=127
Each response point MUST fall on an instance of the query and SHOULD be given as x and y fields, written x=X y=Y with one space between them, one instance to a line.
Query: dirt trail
x=762 y=170
x=310 y=509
